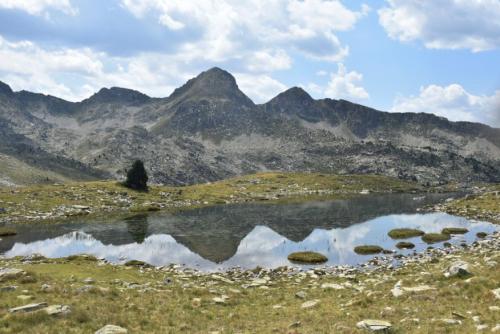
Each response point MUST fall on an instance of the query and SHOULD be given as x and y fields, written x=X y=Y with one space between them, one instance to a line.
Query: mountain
x=208 y=129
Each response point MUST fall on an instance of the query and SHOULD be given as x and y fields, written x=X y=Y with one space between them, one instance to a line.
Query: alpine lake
x=246 y=235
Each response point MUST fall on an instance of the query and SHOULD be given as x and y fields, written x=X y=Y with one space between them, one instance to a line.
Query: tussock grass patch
x=432 y=238
x=454 y=230
x=404 y=233
x=307 y=257
x=368 y=249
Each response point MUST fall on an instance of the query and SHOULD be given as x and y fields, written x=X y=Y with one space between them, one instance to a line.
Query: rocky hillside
x=208 y=130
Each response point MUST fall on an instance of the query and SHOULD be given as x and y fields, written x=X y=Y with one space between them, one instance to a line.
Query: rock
x=310 y=303
x=496 y=293
x=58 y=310
x=222 y=279
x=397 y=291
x=112 y=329
x=374 y=325
x=46 y=288
x=80 y=207
x=220 y=300
x=451 y=321
x=28 y=308
x=10 y=273
x=301 y=294
x=494 y=308
x=8 y=288
x=496 y=328
x=85 y=288
x=89 y=280
x=459 y=269
x=481 y=327
x=332 y=286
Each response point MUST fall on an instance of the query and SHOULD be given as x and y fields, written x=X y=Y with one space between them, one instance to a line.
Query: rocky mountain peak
x=294 y=95
x=5 y=89
x=214 y=83
x=118 y=95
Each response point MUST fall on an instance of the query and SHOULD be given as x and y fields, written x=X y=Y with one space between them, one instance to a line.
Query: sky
x=440 y=56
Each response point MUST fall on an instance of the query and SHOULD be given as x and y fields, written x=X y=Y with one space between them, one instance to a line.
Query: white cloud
x=233 y=29
x=345 y=85
x=260 y=88
x=25 y=65
x=268 y=61
x=39 y=7
x=74 y=74
x=445 y=24
x=454 y=103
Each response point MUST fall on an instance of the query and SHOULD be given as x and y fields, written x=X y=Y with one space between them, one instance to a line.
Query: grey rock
x=458 y=268
x=373 y=325
x=112 y=329
x=10 y=273
x=57 y=310
x=28 y=308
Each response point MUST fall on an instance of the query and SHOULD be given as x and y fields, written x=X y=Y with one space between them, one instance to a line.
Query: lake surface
x=244 y=235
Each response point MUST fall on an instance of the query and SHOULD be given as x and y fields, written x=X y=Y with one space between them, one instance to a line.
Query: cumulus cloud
x=26 y=65
x=345 y=85
x=226 y=29
x=39 y=7
x=454 y=103
x=269 y=60
x=445 y=24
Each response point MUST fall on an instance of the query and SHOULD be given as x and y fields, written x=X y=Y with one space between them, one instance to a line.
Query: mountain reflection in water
x=245 y=235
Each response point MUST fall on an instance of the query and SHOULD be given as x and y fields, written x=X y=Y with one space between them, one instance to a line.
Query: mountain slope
x=208 y=129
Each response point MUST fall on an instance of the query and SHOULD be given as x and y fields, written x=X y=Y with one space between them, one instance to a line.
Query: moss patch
x=432 y=238
x=368 y=249
x=307 y=257
x=454 y=230
x=404 y=233
x=405 y=245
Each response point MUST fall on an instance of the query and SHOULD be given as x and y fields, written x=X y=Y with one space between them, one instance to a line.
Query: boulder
x=458 y=269
x=10 y=273
x=28 y=308
x=310 y=303
x=372 y=325
x=112 y=329
x=333 y=286
x=56 y=310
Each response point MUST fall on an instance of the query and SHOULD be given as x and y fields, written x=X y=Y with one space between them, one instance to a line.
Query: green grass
x=482 y=206
x=404 y=233
x=405 y=245
x=307 y=257
x=432 y=238
x=368 y=249
x=454 y=230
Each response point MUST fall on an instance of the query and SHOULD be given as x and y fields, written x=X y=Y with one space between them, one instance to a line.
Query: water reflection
x=241 y=235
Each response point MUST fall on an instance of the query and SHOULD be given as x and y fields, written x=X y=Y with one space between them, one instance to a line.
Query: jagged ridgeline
x=208 y=129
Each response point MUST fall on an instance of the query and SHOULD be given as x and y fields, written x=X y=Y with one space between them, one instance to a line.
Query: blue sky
x=396 y=55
